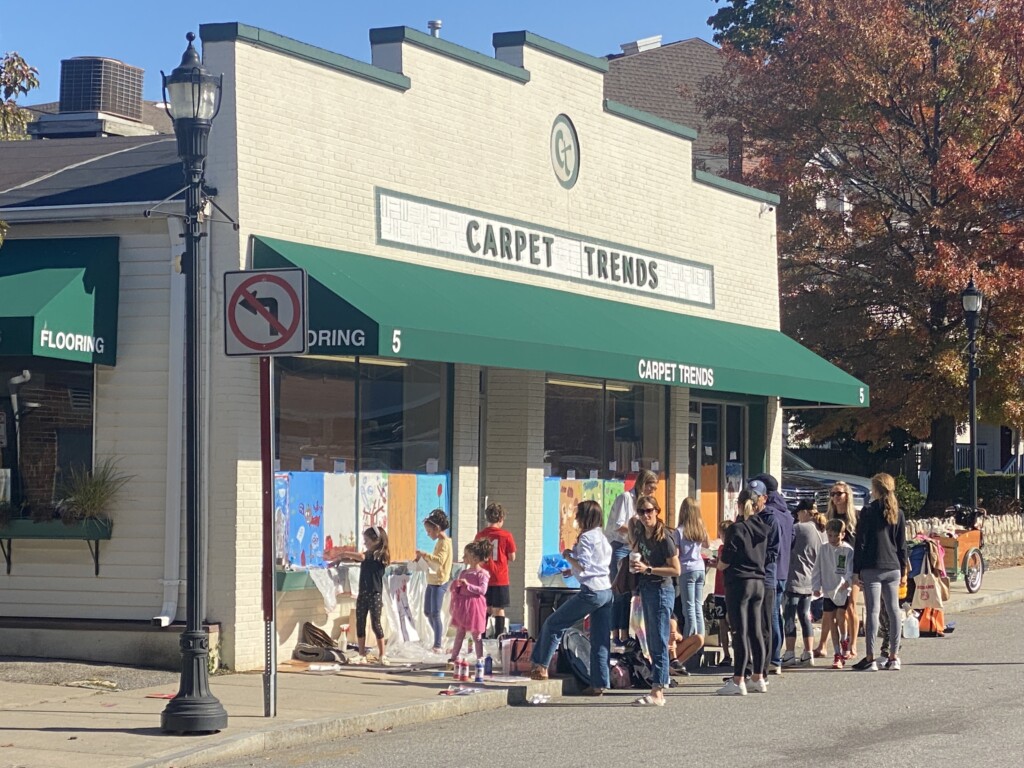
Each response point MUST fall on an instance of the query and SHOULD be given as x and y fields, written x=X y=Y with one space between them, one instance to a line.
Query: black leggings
x=744 y=599
x=368 y=602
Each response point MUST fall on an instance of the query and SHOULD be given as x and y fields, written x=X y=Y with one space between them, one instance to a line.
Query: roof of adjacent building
x=153 y=114
x=665 y=81
x=88 y=171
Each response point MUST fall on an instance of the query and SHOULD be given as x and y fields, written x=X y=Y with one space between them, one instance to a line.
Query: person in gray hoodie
x=808 y=536
x=773 y=506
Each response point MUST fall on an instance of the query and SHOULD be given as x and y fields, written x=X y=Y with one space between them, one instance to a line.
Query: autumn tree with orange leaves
x=893 y=131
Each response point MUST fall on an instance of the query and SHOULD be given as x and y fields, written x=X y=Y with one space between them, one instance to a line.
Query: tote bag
x=927 y=588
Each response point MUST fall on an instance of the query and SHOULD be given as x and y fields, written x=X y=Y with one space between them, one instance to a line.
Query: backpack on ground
x=639 y=667
x=575 y=649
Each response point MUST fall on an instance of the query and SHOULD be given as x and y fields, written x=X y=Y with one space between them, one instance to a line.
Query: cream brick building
x=385 y=181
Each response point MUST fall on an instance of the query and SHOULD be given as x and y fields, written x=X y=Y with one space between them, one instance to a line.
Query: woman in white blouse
x=589 y=560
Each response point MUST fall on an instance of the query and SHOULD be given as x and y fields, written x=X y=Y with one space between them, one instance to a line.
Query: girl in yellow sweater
x=440 y=564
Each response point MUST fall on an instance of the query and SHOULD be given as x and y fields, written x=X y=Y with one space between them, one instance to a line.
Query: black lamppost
x=971 y=299
x=192 y=96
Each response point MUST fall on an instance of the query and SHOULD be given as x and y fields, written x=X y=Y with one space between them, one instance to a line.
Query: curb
x=308 y=732
x=971 y=602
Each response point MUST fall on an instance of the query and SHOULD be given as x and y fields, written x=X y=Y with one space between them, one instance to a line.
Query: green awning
x=364 y=305
x=60 y=298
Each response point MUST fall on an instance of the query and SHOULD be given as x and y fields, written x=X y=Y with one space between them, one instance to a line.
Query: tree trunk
x=940 y=484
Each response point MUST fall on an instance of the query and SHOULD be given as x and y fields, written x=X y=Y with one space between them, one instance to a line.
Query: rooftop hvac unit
x=93 y=84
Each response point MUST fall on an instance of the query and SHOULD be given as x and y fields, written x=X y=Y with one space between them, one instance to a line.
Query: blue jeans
x=691 y=596
x=432 y=602
x=657 y=600
x=620 y=604
x=587 y=602
x=776 y=646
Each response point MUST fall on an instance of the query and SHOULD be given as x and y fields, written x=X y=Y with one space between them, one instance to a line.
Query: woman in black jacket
x=743 y=560
x=880 y=565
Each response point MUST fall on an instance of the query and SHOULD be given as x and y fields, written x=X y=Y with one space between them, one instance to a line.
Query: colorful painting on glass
x=373 y=500
x=550 y=517
x=340 y=532
x=305 y=494
x=431 y=494
x=571 y=495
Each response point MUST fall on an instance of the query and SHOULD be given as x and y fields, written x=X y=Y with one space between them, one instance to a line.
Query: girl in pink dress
x=468 y=597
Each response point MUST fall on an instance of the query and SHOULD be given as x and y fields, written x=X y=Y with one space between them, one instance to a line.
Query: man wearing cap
x=764 y=491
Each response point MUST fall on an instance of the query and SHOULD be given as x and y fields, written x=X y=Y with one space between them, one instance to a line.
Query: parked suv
x=802 y=481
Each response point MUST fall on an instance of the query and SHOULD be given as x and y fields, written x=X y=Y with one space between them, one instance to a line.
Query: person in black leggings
x=743 y=560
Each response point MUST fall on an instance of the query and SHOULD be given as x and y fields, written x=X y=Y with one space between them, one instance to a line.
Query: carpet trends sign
x=461 y=233
x=265 y=312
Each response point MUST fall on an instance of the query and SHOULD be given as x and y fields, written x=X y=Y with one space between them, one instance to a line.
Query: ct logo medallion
x=565 y=151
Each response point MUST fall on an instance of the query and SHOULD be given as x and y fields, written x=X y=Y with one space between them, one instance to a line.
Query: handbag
x=624 y=582
x=927 y=588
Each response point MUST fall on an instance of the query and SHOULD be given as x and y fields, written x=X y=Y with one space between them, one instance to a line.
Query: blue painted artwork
x=431 y=494
x=549 y=526
x=305 y=507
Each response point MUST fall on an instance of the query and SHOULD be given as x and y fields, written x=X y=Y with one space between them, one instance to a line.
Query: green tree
x=893 y=131
x=751 y=25
x=17 y=78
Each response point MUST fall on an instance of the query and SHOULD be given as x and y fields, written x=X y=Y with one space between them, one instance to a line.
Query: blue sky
x=151 y=35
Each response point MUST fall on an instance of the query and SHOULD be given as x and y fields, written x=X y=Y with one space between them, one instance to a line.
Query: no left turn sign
x=265 y=312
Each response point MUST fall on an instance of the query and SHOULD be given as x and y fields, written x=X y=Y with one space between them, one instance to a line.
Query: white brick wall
x=305 y=170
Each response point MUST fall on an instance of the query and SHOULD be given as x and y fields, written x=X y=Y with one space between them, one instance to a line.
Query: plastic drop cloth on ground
x=409 y=636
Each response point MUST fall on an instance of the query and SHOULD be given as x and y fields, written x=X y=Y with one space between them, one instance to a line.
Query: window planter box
x=91 y=531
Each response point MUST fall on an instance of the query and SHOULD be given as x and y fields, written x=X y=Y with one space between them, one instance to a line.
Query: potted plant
x=88 y=495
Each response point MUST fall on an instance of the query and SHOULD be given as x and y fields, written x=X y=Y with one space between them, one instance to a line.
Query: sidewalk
x=44 y=726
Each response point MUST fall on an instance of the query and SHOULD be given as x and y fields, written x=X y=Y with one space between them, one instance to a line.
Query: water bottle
x=489 y=666
x=479 y=671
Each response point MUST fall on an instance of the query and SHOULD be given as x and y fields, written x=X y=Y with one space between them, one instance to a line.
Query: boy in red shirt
x=503 y=551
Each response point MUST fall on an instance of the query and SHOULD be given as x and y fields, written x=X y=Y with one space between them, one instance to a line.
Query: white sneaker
x=774 y=669
x=732 y=689
x=893 y=665
x=807 y=659
x=384 y=661
x=757 y=686
x=357 y=659
x=789 y=660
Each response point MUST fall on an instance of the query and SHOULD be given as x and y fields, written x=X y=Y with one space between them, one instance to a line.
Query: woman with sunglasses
x=657 y=564
x=617 y=530
x=840 y=507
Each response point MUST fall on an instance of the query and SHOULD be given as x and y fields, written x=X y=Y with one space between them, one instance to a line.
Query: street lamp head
x=971 y=299
x=192 y=100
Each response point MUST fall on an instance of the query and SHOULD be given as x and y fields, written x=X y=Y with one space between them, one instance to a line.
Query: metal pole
x=972 y=394
x=269 y=534
x=194 y=709
x=1016 y=464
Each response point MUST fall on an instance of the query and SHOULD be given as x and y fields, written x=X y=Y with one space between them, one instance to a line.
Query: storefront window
x=574 y=427
x=46 y=429
x=361 y=442
x=316 y=414
x=400 y=407
x=610 y=428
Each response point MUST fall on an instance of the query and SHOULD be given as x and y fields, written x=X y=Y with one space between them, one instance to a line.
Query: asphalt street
x=955 y=702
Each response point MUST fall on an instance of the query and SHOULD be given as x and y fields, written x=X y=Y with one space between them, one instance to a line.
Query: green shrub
x=911 y=500
x=990 y=487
